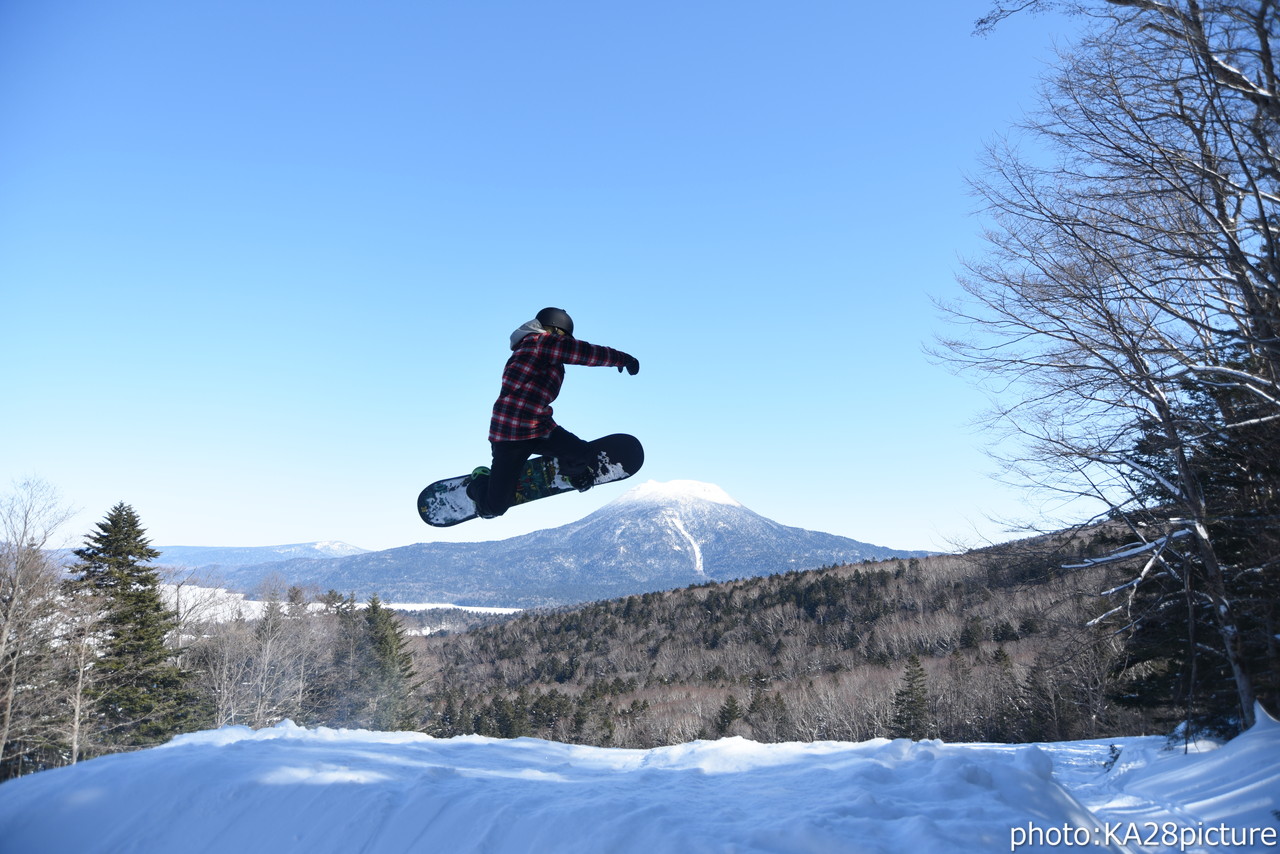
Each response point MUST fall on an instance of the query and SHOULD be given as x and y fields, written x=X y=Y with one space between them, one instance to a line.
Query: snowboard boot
x=581 y=479
x=478 y=491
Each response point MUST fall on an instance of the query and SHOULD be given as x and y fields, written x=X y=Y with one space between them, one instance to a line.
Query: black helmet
x=556 y=317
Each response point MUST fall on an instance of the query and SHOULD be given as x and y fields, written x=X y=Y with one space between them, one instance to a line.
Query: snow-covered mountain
x=219 y=556
x=657 y=536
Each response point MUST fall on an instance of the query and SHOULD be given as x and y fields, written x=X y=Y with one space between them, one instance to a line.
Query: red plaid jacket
x=532 y=379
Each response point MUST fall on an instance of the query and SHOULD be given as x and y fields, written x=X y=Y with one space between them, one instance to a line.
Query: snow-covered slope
x=656 y=536
x=286 y=789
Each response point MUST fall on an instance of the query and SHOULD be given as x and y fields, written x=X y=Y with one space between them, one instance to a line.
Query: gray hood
x=533 y=327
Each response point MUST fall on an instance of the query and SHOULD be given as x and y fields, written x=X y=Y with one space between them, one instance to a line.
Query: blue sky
x=259 y=261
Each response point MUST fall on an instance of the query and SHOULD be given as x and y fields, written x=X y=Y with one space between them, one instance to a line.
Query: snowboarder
x=522 y=425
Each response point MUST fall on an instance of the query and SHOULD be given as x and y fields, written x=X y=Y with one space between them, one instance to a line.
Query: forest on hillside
x=987 y=646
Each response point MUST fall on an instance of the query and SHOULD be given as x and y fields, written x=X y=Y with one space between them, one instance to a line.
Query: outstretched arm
x=573 y=351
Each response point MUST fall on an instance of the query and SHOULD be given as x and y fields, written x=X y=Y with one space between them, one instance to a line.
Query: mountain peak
x=677 y=491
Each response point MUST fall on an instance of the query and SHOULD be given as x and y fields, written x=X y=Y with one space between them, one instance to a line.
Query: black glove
x=632 y=366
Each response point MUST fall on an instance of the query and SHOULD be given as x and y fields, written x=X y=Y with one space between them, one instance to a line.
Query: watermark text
x=1164 y=835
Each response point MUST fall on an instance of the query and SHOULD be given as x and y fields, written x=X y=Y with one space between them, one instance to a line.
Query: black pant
x=509 y=458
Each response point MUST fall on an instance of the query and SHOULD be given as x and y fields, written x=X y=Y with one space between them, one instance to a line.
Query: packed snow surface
x=325 y=791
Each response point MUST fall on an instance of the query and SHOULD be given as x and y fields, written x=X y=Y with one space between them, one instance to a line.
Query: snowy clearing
x=289 y=789
x=221 y=605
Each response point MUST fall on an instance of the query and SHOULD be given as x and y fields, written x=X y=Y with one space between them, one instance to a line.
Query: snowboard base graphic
x=616 y=457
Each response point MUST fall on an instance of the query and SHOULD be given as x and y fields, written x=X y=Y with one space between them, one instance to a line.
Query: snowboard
x=617 y=457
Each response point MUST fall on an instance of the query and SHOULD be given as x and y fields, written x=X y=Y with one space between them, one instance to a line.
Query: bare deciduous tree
x=29 y=593
x=1128 y=308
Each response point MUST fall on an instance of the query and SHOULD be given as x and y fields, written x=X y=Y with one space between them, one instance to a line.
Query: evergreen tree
x=1050 y=714
x=339 y=698
x=394 y=682
x=729 y=713
x=139 y=696
x=371 y=680
x=1005 y=718
x=449 y=721
x=911 y=716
